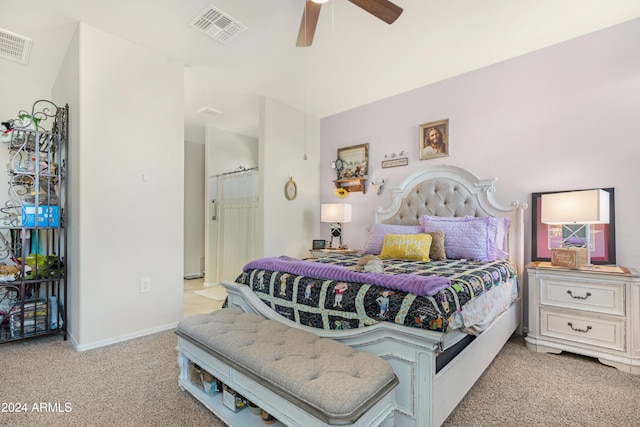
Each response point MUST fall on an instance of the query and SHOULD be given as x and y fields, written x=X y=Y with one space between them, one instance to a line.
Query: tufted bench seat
x=325 y=379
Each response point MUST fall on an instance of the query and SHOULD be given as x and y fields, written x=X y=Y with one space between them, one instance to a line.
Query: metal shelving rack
x=33 y=277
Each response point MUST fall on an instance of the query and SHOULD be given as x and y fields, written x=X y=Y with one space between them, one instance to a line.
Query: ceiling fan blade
x=382 y=9
x=308 y=24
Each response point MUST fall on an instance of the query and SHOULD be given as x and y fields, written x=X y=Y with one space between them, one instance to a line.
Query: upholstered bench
x=299 y=378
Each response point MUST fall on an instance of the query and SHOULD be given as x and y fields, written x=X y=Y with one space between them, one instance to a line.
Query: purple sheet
x=418 y=285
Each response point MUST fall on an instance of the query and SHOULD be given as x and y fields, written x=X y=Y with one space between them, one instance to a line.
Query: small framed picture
x=392 y=163
x=434 y=139
x=319 y=244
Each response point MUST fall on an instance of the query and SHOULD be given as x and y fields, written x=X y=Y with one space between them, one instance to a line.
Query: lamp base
x=336 y=233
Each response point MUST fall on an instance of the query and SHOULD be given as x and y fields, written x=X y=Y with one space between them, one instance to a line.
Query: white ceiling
x=355 y=59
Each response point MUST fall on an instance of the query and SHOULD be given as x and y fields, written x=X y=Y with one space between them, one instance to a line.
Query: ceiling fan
x=383 y=9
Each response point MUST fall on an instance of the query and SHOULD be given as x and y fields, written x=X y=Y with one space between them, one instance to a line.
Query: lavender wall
x=565 y=117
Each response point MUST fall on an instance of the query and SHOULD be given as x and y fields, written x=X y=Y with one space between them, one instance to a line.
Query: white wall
x=16 y=96
x=227 y=151
x=128 y=179
x=194 y=133
x=561 y=118
x=286 y=133
x=194 y=202
x=66 y=90
x=126 y=164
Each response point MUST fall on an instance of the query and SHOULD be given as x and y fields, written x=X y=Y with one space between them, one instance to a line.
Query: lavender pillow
x=378 y=231
x=468 y=237
x=501 y=236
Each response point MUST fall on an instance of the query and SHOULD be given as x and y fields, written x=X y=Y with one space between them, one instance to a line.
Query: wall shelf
x=352 y=184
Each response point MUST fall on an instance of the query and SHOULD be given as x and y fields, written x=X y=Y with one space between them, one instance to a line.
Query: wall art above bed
x=352 y=167
x=434 y=139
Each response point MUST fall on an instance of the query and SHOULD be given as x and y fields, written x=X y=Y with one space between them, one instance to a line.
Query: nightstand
x=593 y=312
x=320 y=253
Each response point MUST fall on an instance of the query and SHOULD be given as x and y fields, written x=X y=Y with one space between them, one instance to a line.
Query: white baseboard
x=122 y=338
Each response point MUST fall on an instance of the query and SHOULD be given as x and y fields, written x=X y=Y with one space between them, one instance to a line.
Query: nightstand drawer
x=585 y=329
x=587 y=295
x=320 y=253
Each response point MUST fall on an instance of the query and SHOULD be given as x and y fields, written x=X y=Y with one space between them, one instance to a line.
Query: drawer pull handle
x=578 y=296
x=578 y=329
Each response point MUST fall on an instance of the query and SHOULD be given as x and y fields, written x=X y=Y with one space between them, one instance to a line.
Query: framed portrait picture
x=545 y=237
x=434 y=139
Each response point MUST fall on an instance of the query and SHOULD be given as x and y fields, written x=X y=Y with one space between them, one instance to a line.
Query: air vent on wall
x=14 y=47
x=217 y=25
x=209 y=112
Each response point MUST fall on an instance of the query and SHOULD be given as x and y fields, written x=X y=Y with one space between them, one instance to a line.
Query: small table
x=594 y=312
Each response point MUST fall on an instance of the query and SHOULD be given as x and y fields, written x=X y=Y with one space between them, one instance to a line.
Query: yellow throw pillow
x=406 y=246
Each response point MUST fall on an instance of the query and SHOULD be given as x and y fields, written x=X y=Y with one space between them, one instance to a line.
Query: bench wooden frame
x=277 y=400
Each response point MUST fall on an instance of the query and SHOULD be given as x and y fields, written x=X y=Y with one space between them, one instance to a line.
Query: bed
x=436 y=358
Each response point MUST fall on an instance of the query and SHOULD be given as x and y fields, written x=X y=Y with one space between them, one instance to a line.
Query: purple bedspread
x=418 y=285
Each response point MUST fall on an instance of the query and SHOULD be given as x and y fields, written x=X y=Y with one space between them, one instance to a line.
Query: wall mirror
x=545 y=237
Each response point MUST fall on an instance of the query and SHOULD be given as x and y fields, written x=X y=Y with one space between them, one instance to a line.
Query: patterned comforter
x=330 y=304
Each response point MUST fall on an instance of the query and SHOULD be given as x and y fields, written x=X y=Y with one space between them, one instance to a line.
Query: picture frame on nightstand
x=546 y=237
x=319 y=244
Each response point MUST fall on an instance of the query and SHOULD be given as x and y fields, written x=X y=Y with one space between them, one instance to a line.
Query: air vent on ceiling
x=14 y=47
x=209 y=112
x=217 y=25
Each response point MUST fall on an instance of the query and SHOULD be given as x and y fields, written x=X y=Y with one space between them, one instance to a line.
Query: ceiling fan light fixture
x=384 y=10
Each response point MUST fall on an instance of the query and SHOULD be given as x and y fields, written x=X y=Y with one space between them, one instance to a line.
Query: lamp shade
x=576 y=207
x=335 y=212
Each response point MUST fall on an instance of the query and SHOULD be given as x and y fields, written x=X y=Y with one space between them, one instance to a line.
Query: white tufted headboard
x=452 y=191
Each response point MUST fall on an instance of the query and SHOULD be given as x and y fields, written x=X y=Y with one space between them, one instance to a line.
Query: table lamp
x=336 y=214
x=583 y=207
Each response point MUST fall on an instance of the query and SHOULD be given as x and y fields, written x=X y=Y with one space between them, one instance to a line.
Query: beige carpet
x=523 y=388
x=135 y=384
x=217 y=293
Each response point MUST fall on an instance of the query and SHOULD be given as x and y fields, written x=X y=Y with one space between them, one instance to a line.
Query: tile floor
x=194 y=303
